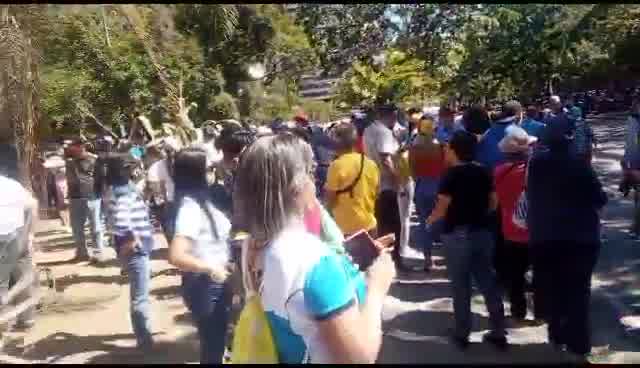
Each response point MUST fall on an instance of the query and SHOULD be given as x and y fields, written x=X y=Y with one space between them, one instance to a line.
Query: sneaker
x=226 y=358
x=500 y=342
x=98 y=259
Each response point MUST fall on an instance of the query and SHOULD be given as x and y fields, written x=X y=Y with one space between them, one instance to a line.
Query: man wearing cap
x=564 y=198
x=380 y=146
x=488 y=152
x=84 y=203
x=509 y=181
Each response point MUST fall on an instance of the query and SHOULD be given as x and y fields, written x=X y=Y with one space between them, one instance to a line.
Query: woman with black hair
x=476 y=120
x=133 y=240
x=201 y=251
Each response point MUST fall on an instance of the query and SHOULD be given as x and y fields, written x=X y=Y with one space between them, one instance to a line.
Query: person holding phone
x=320 y=307
x=133 y=240
x=465 y=199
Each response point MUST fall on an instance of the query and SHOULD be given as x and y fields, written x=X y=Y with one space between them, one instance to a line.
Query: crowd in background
x=502 y=192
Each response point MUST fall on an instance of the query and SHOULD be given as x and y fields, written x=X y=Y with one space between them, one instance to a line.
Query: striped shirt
x=128 y=213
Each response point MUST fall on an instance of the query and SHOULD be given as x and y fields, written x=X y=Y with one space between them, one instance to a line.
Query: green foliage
x=94 y=66
x=223 y=106
x=401 y=78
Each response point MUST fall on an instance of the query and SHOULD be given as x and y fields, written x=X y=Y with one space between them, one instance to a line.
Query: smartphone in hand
x=364 y=250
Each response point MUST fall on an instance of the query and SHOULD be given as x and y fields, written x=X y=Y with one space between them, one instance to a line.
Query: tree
x=400 y=79
x=344 y=33
x=20 y=61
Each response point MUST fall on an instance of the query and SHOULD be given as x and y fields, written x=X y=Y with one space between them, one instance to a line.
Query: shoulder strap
x=349 y=188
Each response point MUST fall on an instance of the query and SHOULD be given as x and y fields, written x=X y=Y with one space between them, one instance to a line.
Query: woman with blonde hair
x=426 y=159
x=320 y=307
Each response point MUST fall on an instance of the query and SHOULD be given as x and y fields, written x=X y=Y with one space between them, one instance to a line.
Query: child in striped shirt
x=133 y=241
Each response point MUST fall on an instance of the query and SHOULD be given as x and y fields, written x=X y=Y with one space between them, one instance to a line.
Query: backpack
x=253 y=341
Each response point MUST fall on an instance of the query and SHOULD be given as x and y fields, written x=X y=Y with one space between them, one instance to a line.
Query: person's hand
x=381 y=273
x=129 y=248
x=384 y=242
x=218 y=274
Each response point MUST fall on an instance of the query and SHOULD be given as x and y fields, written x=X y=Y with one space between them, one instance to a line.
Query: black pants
x=501 y=256
x=388 y=217
x=516 y=268
x=562 y=277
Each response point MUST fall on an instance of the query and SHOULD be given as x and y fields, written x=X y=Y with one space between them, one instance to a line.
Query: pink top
x=313 y=220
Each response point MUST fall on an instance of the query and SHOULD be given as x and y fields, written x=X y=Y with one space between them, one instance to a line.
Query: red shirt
x=509 y=184
x=428 y=165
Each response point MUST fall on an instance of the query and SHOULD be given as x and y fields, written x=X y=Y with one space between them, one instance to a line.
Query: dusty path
x=86 y=320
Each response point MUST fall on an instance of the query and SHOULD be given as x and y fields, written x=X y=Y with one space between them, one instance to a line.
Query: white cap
x=515 y=140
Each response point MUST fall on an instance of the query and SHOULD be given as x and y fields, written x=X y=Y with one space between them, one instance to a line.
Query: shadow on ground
x=59 y=346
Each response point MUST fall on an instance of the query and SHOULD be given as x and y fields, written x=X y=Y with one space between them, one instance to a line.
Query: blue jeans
x=425 y=199
x=81 y=211
x=139 y=270
x=209 y=303
x=469 y=254
x=321 y=179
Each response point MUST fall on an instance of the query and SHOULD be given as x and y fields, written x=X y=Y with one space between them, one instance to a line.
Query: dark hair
x=476 y=119
x=234 y=138
x=533 y=112
x=345 y=136
x=190 y=178
x=445 y=110
x=302 y=132
x=119 y=167
x=463 y=145
x=414 y=110
x=509 y=109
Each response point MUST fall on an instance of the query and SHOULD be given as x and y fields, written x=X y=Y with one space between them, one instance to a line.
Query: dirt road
x=86 y=320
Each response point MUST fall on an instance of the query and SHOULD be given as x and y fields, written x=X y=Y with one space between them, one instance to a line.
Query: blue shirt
x=488 y=152
x=533 y=127
x=443 y=134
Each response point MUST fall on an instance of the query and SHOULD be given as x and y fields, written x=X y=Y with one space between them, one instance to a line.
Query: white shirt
x=379 y=139
x=193 y=223
x=13 y=204
x=304 y=282
x=159 y=172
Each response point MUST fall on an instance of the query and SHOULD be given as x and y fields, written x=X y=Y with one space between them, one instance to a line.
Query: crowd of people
x=501 y=193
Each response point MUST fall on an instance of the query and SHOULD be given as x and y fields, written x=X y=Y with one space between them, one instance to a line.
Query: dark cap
x=386 y=107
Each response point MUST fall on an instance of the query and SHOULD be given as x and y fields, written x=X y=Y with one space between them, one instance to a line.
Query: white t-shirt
x=304 y=282
x=159 y=172
x=193 y=223
x=13 y=204
x=379 y=139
